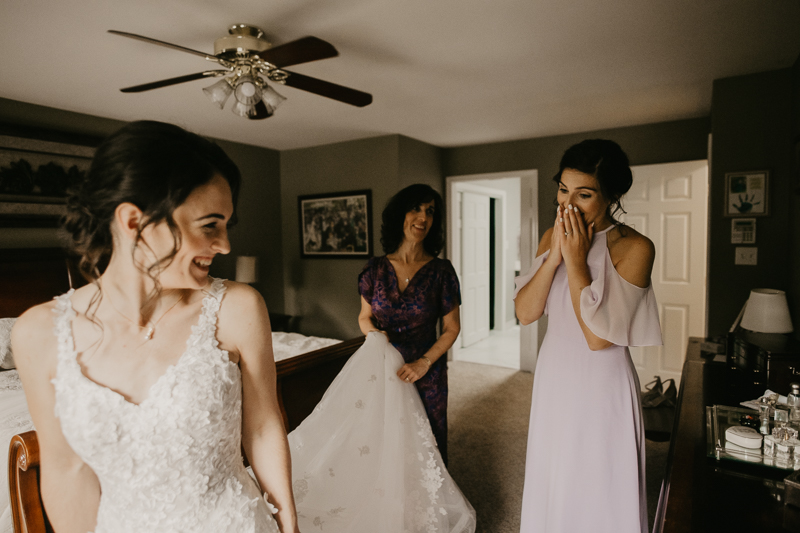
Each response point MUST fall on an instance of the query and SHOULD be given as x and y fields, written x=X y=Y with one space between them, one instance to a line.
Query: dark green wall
x=324 y=291
x=752 y=129
x=259 y=202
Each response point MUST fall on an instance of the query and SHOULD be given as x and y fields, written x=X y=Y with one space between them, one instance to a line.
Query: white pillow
x=6 y=358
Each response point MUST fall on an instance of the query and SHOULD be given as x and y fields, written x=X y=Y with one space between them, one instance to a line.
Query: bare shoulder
x=33 y=339
x=242 y=315
x=633 y=255
x=238 y=295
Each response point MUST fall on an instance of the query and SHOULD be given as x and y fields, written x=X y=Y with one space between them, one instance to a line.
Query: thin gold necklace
x=151 y=326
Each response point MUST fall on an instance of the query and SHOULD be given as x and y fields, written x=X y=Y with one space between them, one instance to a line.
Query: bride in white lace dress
x=156 y=376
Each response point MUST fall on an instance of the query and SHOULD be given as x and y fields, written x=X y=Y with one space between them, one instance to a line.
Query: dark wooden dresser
x=701 y=494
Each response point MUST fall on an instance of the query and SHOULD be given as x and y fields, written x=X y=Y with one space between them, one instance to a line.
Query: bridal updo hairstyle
x=606 y=161
x=394 y=215
x=152 y=165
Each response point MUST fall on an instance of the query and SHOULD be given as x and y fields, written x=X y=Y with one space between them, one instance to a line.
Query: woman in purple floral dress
x=405 y=292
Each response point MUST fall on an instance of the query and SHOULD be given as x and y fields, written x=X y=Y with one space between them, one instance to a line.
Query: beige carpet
x=488 y=413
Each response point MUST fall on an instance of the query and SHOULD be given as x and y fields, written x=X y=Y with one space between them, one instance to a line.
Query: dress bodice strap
x=63 y=314
x=206 y=327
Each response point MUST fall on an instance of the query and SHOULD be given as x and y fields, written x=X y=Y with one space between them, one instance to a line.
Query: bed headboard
x=30 y=276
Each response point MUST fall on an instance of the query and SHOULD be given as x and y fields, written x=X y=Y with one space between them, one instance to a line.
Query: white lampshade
x=246 y=269
x=767 y=312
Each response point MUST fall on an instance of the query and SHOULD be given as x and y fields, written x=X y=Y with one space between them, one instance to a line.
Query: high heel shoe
x=658 y=396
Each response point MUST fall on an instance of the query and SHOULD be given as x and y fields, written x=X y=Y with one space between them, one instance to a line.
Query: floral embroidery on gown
x=410 y=319
x=365 y=460
x=173 y=462
x=584 y=469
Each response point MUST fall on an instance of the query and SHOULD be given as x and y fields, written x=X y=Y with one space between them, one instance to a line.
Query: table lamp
x=767 y=311
x=246 y=269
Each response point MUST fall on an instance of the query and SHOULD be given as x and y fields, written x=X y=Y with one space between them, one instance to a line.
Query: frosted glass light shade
x=272 y=99
x=246 y=269
x=767 y=312
x=247 y=92
x=243 y=110
x=219 y=92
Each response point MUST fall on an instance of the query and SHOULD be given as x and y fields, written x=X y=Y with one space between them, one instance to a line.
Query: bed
x=305 y=368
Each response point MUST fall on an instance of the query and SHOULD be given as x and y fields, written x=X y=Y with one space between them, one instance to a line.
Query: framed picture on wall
x=336 y=225
x=747 y=194
x=34 y=178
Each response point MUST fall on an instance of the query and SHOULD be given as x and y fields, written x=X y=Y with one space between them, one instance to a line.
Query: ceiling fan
x=248 y=62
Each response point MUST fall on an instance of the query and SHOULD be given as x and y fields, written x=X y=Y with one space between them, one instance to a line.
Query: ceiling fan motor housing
x=242 y=38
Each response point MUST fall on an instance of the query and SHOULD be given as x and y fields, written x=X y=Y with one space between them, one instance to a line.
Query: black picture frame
x=34 y=177
x=336 y=225
x=747 y=194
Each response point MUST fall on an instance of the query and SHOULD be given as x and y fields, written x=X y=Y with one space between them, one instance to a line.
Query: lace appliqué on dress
x=173 y=462
x=375 y=436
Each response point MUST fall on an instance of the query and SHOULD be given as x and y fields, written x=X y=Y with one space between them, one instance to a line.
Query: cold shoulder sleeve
x=524 y=279
x=451 y=288
x=620 y=312
x=366 y=283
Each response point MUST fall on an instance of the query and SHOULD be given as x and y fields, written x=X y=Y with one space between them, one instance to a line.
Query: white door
x=474 y=268
x=668 y=203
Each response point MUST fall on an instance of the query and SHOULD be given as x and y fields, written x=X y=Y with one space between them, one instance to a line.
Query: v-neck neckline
x=410 y=280
x=195 y=331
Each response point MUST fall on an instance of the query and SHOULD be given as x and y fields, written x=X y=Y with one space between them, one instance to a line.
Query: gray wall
x=259 y=202
x=324 y=292
x=752 y=129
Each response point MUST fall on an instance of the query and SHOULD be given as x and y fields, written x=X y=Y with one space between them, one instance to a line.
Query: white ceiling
x=447 y=72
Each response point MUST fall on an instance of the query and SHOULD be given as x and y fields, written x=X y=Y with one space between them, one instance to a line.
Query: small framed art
x=336 y=225
x=747 y=194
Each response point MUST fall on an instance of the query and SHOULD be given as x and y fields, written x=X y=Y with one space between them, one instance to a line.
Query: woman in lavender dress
x=585 y=462
x=405 y=292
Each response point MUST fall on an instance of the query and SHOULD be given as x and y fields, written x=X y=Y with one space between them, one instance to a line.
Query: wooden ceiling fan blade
x=328 y=89
x=171 y=81
x=299 y=51
x=163 y=43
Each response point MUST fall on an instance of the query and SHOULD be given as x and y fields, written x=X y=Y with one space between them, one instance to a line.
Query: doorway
x=668 y=203
x=491 y=223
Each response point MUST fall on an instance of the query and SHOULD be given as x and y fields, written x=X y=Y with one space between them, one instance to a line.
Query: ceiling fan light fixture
x=219 y=92
x=243 y=109
x=271 y=98
x=247 y=91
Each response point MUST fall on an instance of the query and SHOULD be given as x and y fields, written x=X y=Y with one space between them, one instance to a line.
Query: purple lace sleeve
x=365 y=282
x=451 y=289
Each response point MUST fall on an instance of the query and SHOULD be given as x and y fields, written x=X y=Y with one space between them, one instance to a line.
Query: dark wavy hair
x=606 y=161
x=394 y=215
x=152 y=165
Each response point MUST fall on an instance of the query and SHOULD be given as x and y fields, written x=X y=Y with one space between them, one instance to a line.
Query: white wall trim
x=528 y=238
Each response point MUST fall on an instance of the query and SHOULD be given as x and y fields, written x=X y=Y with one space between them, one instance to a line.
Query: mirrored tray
x=718 y=419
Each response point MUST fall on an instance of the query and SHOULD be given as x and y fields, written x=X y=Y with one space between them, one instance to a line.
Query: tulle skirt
x=365 y=460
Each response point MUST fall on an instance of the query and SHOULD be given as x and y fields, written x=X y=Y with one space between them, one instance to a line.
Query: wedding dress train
x=366 y=461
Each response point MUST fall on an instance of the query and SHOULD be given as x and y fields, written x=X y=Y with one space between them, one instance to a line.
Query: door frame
x=529 y=231
x=499 y=282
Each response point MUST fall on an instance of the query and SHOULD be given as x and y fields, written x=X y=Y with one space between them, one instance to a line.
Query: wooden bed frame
x=32 y=276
